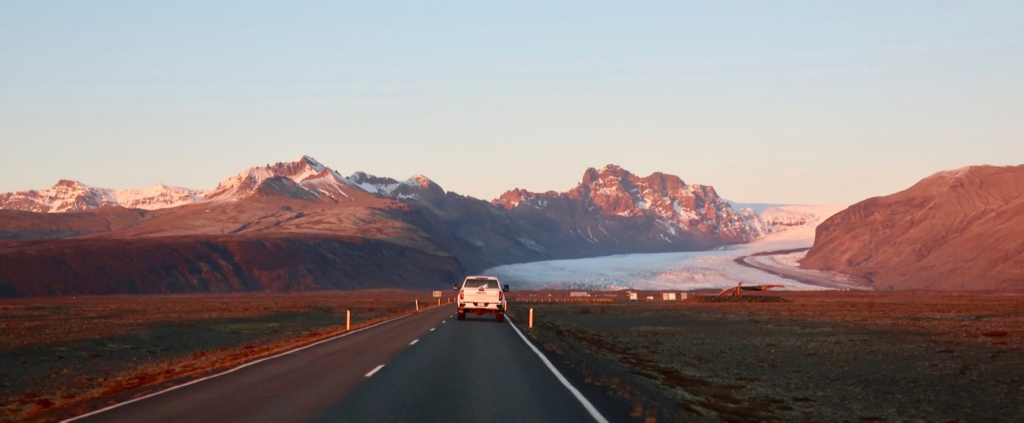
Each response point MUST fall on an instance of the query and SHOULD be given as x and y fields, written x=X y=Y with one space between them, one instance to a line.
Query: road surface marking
x=414 y=341
x=375 y=370
x=579 y=397
x=432 y=329
x=233 y=370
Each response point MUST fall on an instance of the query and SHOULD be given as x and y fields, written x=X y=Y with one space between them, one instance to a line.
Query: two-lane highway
x=474 y=370
x=296 y=386
x=423 y=367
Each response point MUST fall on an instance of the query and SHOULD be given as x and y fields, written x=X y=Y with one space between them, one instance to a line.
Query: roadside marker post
x=417 y=304
x=348 y=319
x=531 y=319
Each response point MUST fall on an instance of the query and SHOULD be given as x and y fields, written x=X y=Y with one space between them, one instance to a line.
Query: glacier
x=687 y=271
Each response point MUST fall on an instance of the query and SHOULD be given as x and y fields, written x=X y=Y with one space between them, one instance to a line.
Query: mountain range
x=298 y=226
x=71 y=196
x=302 y=226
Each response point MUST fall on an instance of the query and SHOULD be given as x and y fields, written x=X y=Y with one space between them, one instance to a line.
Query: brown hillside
x=16 y=224
x=960 y=229
x=266 y=263
x=279 y=240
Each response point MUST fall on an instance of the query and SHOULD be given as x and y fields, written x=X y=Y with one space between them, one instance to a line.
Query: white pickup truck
x=482 y=295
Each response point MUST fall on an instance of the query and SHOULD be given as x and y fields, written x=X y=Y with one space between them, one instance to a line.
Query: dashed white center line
x=375 y=370
x=414 y=341
x=432 y=329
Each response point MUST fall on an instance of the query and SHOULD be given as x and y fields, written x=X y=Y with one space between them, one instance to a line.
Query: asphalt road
x=435 y=368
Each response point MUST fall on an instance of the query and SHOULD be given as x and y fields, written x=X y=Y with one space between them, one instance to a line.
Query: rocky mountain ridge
x=613 y=192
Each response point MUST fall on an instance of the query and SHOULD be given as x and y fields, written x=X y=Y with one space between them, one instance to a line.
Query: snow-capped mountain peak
x=420 y=180
x=417 y=186
x=375 y=185
x=771 y=219
x=72 y=196
x=305 y=171
x=311 y=162
x=158 y=196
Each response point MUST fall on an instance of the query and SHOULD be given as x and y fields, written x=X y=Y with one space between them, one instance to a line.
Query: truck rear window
x=476 y=283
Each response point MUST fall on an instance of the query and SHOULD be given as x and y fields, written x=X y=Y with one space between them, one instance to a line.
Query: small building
x=682 y=295
x=579 y=294
x=632 y=296
x=668 y=296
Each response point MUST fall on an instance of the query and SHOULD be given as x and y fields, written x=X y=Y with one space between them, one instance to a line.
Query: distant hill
x=955 y=230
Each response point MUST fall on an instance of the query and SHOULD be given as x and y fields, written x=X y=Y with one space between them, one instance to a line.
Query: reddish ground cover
x=826 y=356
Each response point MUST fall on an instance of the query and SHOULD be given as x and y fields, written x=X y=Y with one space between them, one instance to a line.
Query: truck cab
x=481 y=295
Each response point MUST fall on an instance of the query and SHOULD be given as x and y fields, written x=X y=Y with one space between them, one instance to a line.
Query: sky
x=769 y=102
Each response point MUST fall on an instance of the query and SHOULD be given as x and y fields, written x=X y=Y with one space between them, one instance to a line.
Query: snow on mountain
x=73 y=196
x=305 y=172
x=70 y=196
x=768 y=219
x=614 y=191
x=376 y=185
x=158 y=196
x=416 y=187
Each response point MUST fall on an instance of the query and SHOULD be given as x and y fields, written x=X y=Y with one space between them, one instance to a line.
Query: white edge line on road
x=375 y=370
x=576 y=393
x=414 y=341
x=237 y=368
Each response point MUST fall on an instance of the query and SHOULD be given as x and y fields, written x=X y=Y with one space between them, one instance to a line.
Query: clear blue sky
x=786 y=102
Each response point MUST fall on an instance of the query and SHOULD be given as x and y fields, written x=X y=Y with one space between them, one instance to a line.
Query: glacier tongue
x=716 y=269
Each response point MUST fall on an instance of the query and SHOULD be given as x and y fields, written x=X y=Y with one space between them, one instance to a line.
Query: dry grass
x=814 y=357
x=57 y=353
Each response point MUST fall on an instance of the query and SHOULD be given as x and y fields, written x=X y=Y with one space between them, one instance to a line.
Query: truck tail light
x=462 y=294
x=501 y=296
